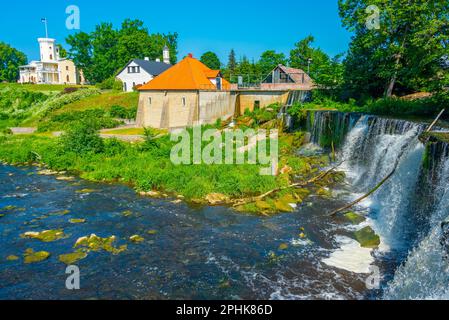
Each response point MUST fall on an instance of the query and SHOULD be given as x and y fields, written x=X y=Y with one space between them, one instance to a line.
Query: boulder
x=45 y=236
x=136 y=239
x=354 y=218
x=216 y=199
x=32 y=257
x=71 y=258
x=367 y=238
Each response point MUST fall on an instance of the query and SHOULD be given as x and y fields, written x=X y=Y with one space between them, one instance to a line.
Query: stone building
x=185 y=95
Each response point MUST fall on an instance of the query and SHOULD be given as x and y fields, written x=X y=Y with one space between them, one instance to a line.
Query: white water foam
x=350 y=257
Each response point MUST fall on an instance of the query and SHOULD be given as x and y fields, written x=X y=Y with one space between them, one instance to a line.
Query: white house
x=50 y=69
x=139 y=72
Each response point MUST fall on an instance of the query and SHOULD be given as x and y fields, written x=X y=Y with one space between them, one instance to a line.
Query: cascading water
x=409 y=209
x=424 y=275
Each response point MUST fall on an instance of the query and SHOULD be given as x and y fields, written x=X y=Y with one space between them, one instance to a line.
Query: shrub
x=122 y=112
x=98 y=118
x=82 y=138
x=111 y=83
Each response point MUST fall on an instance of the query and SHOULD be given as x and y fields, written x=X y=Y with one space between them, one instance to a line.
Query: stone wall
x=247 y=99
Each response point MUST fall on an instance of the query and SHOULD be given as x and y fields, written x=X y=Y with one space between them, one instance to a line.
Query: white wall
x=132 y=79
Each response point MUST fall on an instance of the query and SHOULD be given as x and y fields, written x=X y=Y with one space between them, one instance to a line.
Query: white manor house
x=51 y=69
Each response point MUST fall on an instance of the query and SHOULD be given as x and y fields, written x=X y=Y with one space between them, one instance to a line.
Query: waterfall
x=411 y=208
x=424 y=275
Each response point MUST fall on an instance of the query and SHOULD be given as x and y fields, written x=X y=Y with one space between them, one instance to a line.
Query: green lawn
x=103 y=101
x=41 y=87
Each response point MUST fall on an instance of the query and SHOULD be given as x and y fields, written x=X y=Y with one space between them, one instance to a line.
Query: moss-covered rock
x=73 y=257
x=77 y=221
x=283 y=206
x=283 y=246
x=60 y=213
x=32 y=257
x=216 y=199
x=354 y=218
x=45 y=236
x=152 y=232
x=324 y=192
x=127 y=213
x=12 y=258
x=95 y=243
x=136 y=239
x=263 y=205
x=85 y=191
x=64 y=178
x=367 y=238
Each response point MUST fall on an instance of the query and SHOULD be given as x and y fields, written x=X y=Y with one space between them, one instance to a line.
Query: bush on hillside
x=14 y=99
x=427 y=107
x=82 y=138
x=98 y=118
x=123 y=113
x=111 y=83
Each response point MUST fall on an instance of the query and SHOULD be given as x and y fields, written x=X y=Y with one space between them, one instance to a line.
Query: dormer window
x=218 y=83
x=134 y=69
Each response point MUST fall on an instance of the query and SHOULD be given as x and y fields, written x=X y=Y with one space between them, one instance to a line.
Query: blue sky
x=248 y=26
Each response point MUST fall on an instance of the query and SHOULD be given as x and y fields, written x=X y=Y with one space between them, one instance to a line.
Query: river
x=217 y=253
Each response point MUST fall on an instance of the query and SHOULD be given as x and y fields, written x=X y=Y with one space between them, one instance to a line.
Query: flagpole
x=44 y=20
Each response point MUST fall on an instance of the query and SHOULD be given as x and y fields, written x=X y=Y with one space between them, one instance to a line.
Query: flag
x=44 y=20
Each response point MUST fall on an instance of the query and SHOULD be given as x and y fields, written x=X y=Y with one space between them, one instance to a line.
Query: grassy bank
x=57 y=107
x=147 y=167
x=427 y=107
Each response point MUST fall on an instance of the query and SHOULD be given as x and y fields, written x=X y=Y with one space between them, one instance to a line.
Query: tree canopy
x=403 y=54
x=211 y=60
x=103 y=52
x=10 y=60
x=269 y=60
x=324 y=70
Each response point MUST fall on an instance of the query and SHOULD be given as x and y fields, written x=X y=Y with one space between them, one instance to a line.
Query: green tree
x=232 y=62
x=103 y=52
x=81 y=53
x=269 y=60
x=62 y=51
x=211 y=60
x=10 y=60
x=404 y=53
x=324 y=70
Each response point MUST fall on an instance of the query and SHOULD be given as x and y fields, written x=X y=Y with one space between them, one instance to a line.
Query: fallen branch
x=294 y=185
x=366 y=195
x=435 y=121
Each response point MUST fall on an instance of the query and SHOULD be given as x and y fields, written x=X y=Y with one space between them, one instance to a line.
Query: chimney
x=158 y=60
x=147 y=59
x=166 y=55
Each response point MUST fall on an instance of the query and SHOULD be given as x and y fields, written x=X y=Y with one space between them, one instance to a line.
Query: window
x=133 y=69
x=149 y=100
x=183 y=101
x=51 y=57
x=256 y=105
x=68 y=78
x=219 y=83
x=67 y=68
